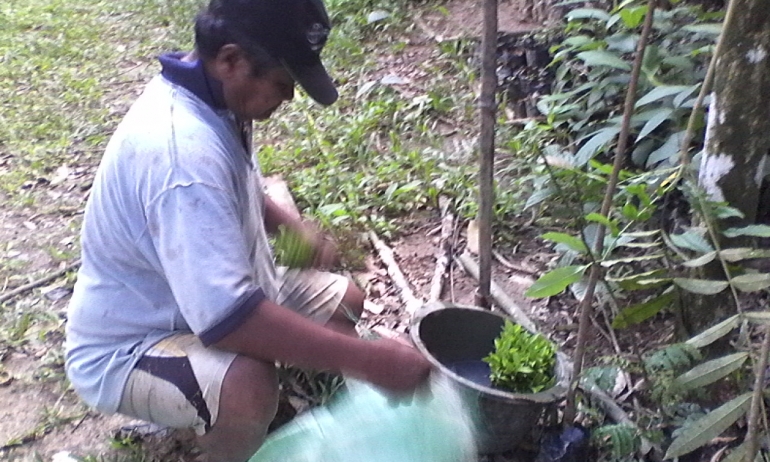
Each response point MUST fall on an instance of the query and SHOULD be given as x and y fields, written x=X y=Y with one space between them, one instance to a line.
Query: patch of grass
x=60 y=59
x=380 y=152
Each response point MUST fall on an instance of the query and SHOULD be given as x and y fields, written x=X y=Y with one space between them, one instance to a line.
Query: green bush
x=522 y=362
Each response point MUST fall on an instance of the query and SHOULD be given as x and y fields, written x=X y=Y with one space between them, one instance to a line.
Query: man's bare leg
x=349 y=312
x=248 y=403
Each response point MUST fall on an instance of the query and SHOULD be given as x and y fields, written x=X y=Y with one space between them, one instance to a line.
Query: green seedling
x=522 y=362
x=292 y=249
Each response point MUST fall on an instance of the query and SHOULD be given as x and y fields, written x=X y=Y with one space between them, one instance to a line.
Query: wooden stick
x=411 y=303
x=443 y=252
x=498 y=294
x=618 y=415
x=26 y=287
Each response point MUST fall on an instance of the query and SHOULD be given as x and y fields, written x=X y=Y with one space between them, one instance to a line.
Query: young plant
x=292 y=249
x=522 y=362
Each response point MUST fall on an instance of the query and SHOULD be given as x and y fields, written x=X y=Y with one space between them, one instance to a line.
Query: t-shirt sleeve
x=198 y=238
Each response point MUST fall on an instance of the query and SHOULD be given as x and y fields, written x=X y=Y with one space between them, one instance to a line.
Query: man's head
x=274 y=35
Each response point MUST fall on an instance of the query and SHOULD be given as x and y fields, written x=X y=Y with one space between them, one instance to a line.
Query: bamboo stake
x=487 y=110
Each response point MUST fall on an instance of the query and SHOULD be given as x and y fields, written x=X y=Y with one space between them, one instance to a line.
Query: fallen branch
x=511 y=265
x=499 y=296
x=619 y=416
x=411 y=303
x=443 y=252
x=44 y=280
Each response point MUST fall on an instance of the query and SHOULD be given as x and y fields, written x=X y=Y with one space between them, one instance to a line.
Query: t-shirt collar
x=192 y=76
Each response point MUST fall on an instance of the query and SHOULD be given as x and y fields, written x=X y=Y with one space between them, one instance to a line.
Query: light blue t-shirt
x=173 y=240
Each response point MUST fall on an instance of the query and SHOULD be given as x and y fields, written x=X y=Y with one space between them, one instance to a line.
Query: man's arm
x=273 y=332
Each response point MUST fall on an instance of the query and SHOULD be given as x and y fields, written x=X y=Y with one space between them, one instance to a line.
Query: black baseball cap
x=292 y=31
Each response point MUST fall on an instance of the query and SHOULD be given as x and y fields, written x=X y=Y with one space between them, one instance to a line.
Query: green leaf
x=632 y=17
x=612 y=225
x=709 y=427
x=539 y=196
x=637 y=313
x=753 y=282
x=744 y=253
x=615 y=261
x=572 y=242
x=623 y=439
x=701 y=286
x=712 y=29
x=555 y=281
x=587 y=13
x=710 y=371
x=758 y=317
x=691 y=240
x=603 y=58
x=661 y=92
x=668 y=152
x=597 y=141
x=702 y=260
x=660 y=116
x=751 y=230
x=646 y=280
x=714 y=333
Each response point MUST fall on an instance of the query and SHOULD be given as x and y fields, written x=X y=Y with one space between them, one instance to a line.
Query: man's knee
x=249 y=393
x=353 y=301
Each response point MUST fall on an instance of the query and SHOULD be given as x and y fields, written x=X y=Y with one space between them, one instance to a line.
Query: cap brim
x=315 y=81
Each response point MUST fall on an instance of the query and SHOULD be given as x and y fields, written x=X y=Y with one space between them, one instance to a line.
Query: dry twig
x=34 y=284
x=443 y=252
x=411 y=302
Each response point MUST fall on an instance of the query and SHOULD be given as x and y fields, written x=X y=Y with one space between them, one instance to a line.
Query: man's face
x=256 y=98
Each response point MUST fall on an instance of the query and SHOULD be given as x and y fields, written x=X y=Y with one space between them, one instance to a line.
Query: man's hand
x=327 y=254
x=395 y=367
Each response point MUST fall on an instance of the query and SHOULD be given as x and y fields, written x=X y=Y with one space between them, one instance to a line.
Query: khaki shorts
x=177 y=382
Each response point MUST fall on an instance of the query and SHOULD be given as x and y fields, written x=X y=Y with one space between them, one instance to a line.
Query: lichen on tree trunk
x=737 y=136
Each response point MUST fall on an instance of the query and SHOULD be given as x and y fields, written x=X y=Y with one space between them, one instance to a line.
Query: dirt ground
x=40 y=416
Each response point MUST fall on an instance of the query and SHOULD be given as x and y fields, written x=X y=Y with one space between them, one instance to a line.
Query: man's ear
x=229 y=62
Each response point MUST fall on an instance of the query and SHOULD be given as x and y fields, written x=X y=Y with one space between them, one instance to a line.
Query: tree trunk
x=737 y=137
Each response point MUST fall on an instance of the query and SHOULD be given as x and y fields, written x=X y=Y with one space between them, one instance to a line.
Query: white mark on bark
x=713 y=168
x=761 y=173
x=710 y=123
x=756 y=55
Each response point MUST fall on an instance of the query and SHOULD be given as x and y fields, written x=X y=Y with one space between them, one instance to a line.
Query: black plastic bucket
x=449 y=335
